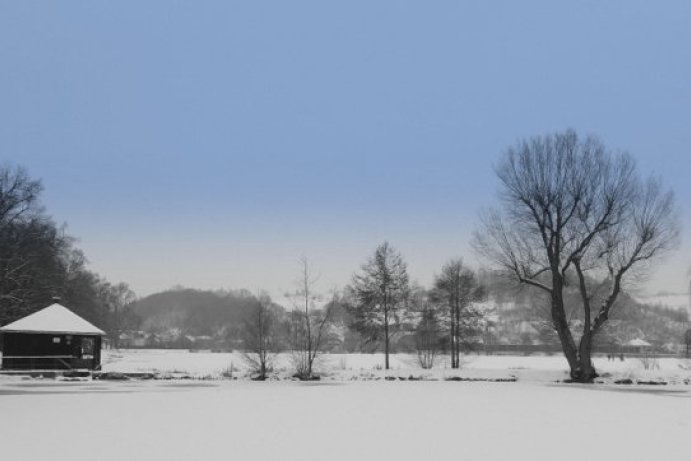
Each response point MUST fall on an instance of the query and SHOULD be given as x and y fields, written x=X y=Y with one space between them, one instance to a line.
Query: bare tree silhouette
x=573 y=210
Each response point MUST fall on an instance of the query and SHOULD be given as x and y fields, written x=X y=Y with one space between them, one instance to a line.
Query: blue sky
x=211 y=144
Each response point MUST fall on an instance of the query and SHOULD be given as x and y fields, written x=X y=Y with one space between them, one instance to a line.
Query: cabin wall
x=46 y=351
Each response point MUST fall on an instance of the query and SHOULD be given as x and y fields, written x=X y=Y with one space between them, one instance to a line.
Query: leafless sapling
x=262 y=335
x=428 y=331
x=310 y=321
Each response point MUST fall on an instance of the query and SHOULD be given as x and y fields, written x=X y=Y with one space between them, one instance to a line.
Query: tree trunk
x=561 y=326
x=458 y=337
x=585 y=372
x=452 y=342
x=308 y=326
x=386 y=339
x=570 y=352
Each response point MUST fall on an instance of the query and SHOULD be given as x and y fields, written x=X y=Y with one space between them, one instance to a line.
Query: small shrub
x=649 y=362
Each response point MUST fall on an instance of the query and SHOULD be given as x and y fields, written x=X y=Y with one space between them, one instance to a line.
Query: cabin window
x=56 y=340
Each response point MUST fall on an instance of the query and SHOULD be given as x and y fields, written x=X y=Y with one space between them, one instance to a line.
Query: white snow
x=638 y=342
x=352 y=414
x=382 y=420
x=53 y=319
x=346 y=367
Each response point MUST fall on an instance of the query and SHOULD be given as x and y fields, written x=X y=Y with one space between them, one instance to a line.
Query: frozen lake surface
x=376 y=420
x=352 y=414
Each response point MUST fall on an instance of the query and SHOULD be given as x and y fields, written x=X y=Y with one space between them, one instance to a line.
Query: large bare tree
x=38 y=261
x=572 y=211
x=33 y=250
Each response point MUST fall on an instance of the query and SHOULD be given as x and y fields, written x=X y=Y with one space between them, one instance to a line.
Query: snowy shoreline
x=180 y=365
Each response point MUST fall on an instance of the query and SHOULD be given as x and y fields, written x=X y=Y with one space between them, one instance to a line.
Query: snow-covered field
x=346 y=367
x=340 y=418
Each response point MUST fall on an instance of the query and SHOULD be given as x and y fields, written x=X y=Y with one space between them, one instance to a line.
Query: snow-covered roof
x=53 y=319
x=639 y=343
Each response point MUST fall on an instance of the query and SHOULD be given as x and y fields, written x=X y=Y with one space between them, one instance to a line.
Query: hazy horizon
x=212 y=145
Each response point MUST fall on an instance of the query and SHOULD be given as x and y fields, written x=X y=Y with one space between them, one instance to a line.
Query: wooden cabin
x=54 y=338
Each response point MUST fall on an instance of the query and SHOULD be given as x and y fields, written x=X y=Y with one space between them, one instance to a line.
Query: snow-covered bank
x=345 y=367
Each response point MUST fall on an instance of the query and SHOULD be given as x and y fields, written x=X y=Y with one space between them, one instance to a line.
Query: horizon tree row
x=380 y=306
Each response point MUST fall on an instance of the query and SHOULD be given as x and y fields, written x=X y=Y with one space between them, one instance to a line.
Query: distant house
x=53 y=338
x=133 y=339
x=638 y=346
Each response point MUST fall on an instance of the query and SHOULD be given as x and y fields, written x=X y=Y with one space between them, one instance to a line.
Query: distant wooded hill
x=195 y=312
x=521 y=316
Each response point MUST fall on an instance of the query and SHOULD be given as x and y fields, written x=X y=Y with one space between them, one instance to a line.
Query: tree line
x=576 y=223
x=380 y=305
x=572 y=213
x=40 y=262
